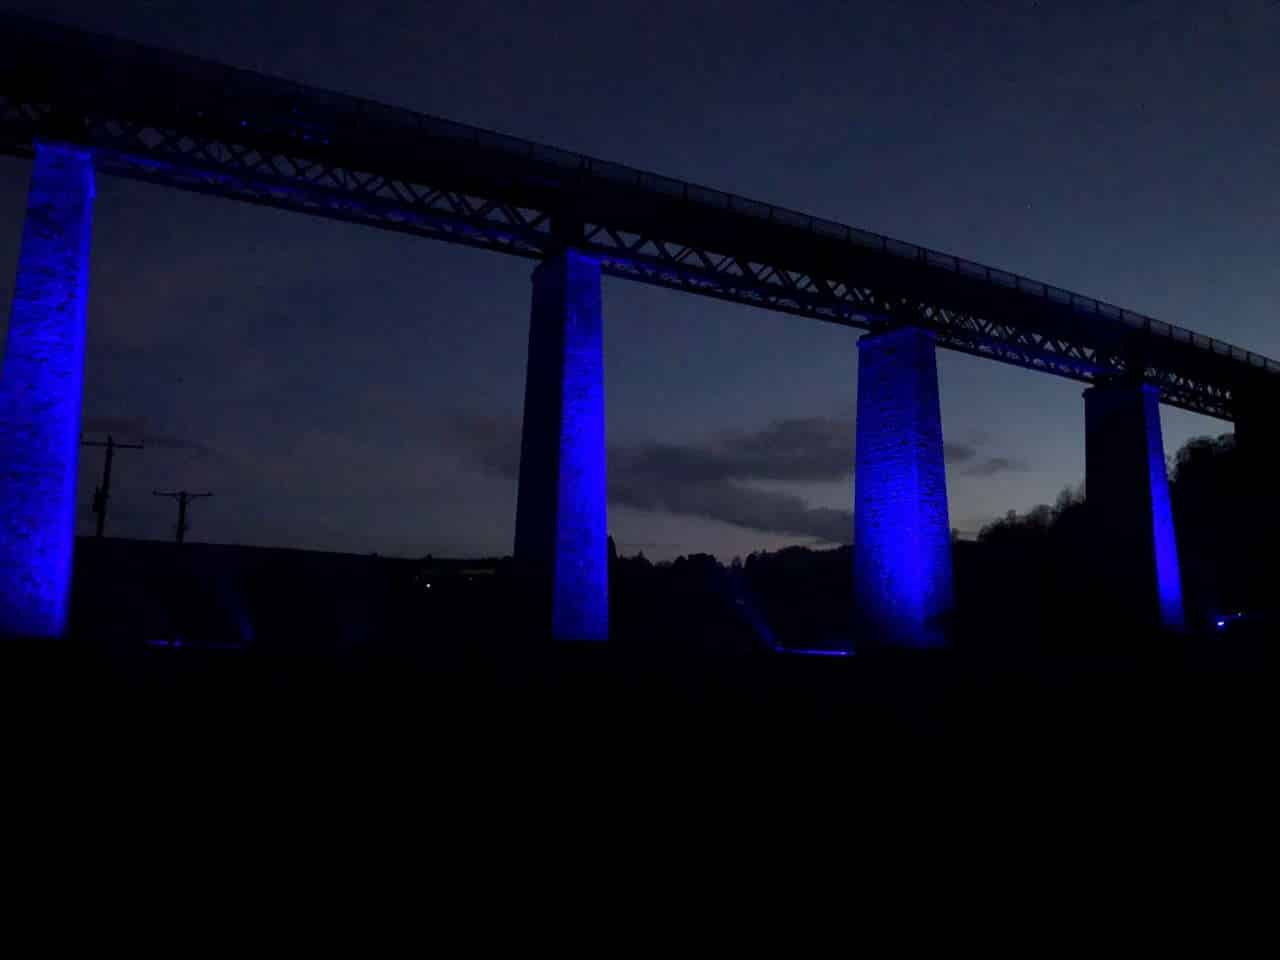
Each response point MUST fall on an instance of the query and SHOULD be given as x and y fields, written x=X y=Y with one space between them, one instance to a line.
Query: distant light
x=811 y=652
x=1222 y=620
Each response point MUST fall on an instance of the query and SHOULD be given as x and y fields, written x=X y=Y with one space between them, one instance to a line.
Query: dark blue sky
x=346 y=389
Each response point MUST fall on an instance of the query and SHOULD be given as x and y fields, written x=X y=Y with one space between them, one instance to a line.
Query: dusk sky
x=342 y=388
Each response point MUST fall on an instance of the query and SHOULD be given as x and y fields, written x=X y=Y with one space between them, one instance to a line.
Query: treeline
x=1031 y=581
x=1212 y=517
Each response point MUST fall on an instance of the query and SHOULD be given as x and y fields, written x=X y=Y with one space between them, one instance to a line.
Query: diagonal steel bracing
x=183 y=122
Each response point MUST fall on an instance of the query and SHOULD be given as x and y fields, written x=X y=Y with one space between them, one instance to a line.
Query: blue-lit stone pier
x=902 y=537
x=1127 y=496
x=40 y=393
x=561 y=516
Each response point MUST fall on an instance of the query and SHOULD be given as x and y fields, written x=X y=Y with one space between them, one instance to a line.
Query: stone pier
x=40 y=393
x=902 y=535
x=1127 y=496
x=561 y=515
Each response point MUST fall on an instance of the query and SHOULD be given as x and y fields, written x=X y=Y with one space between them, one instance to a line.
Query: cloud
x=966 y=456
x=716 y=480
x=991 y=466
x=796 y=450
x=706 y=483
x=820 y=450
x=135 y=430
x=492 y=443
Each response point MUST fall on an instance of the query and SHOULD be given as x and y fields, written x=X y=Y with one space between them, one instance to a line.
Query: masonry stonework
x=561 y=513
x=902 y=536
x=40 y=393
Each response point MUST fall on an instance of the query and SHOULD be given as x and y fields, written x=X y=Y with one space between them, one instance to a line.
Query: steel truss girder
x=224 y=167
x=298 y=179
x=837 y=300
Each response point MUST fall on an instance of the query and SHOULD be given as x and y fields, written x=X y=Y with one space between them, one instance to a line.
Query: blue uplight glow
x=902 y=535
x=562 y=521
x=812 y=652
x=1223 y=621
x=581 y=605
x=1168 y=575
x=738 y=589
x=40 y=393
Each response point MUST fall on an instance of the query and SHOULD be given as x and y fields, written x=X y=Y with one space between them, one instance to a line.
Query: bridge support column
x=561 y=514
x=901 y=535
x=1127 y=491
x=1256 y=411
x=40 y=391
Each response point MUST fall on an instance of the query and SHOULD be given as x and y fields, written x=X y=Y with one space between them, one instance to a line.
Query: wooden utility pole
x=102 y=494
x=183 y=498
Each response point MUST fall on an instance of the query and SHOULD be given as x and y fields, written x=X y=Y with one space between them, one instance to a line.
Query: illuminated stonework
x=40 y=390
x=561 y=516
x=902 y=536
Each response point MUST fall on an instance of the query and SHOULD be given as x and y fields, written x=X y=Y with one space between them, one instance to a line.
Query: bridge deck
x=195 y=124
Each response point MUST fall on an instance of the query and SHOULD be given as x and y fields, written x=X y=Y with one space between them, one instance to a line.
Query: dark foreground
x=479 y=694
x=490 y=754
x=248 y=664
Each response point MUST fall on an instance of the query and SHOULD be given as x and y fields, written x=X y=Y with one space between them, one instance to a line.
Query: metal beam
x=189 y=123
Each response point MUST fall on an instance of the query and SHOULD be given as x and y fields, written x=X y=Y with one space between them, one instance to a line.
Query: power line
x=183 y=498
x=102 y=493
